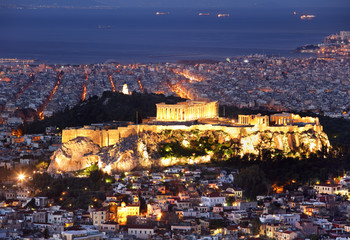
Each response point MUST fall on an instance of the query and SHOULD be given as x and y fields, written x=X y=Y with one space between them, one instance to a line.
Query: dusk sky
x=75 y=31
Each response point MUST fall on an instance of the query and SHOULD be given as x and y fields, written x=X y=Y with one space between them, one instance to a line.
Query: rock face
x=170 y=147
x=307 y=141
x=81 y=152
x=77 y=154
x=123 y=156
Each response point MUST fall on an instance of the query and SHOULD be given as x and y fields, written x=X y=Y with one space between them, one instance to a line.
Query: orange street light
x=21 y=177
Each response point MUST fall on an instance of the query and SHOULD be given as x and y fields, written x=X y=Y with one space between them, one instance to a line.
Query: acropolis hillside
x=192 y=128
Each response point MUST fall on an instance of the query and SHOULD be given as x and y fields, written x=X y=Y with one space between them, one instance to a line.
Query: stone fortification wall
x=109 y=137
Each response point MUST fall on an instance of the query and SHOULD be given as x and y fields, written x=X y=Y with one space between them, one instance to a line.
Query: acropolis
x=182 y=122
x=183 y=115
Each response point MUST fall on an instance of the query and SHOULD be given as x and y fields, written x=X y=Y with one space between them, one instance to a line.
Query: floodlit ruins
x=185 y=122
x=187 y=111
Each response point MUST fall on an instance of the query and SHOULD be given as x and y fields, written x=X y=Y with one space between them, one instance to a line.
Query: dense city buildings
x=179 y=202
x=194 y=201
x=174 y=120
x=335 y=45
x=306 y=84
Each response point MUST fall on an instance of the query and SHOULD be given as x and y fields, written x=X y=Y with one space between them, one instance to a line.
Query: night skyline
x=188 y=119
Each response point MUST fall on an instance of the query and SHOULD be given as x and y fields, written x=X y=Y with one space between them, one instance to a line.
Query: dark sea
x=139 y=35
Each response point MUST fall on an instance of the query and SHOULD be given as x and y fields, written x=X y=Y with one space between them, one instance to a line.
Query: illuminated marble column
x=213 y=110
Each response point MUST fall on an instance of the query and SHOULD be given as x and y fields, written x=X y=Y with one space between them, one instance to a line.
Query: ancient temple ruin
x=187 y=111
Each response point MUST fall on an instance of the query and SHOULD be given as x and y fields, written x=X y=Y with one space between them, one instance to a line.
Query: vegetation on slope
x=109 y=107
x=73 y=192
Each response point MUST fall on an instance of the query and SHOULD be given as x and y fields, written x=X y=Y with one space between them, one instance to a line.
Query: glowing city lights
x=21 y=177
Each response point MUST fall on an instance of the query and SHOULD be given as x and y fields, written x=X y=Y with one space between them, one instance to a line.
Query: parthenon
x=187 y=111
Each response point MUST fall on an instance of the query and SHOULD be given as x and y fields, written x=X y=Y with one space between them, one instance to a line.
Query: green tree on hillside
x=253 y=181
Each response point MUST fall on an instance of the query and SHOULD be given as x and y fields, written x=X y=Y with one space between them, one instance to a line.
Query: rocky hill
x=189 y=146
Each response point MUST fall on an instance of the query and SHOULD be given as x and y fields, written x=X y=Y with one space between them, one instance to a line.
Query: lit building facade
x=187 y=111
x=125 y=211
x=99 y=216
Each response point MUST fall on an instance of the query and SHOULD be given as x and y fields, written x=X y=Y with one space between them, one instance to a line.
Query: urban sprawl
x=179 y=202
